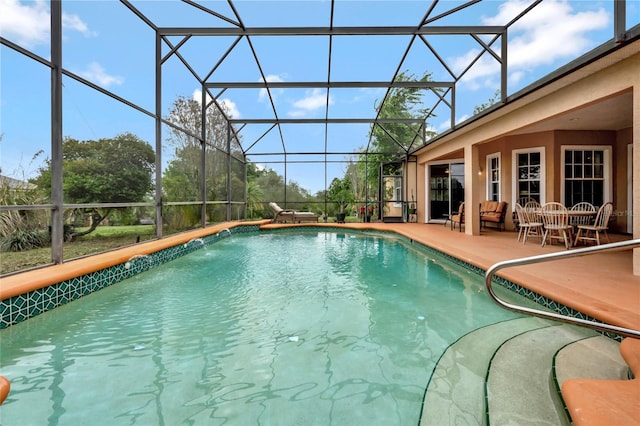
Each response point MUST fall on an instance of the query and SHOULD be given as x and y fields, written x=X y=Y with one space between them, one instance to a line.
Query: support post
x=57 y=213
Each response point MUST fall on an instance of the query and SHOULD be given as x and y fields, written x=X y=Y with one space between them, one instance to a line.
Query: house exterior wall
x=502 y=132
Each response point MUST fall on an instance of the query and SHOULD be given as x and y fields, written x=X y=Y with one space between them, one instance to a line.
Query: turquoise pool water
x=284 y=329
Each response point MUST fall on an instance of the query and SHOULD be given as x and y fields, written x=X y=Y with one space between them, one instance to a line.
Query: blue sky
x=105 y=43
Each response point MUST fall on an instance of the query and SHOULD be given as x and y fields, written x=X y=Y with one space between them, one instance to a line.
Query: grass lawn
x=104 y=238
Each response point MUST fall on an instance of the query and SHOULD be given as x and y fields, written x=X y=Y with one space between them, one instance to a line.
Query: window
x=529 y=175
x=586 y=175
x=493 y=177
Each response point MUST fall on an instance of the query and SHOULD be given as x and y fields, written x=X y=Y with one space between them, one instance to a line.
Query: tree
x=255 y=199
x=184 y=169
x=493 y=100
x=265 y=184
x=340 y=192
x=391 y=141
x=114 y=170
x=181 y=180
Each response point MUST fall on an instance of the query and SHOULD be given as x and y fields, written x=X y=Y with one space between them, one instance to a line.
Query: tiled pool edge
x=522 y=291
x=18 y=308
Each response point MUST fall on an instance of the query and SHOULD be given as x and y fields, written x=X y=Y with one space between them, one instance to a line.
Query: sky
x=106 y=44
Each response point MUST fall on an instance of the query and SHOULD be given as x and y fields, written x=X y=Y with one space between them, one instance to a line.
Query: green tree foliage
x=114 y=170
x=255 y=200
x=182 y=176
x=355 y=175
x=341 y=193
x=266 y=185
x=391 y=141
x=493 y=100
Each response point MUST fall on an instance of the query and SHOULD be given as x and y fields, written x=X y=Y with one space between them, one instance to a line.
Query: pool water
x=307 y=328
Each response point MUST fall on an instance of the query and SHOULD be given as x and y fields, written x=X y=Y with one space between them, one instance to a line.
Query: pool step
x=455 y=393
x=519 y=388
x=597 y=359
x=511 y=373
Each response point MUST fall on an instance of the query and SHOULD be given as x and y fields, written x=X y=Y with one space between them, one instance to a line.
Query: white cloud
x=28 y=24
x=73 y=22
x=550 y=31
x=230 y=107
x=262 y=96
x=297 y=113
x=516 y=76
x=485 y=68
x=314 y=100
x=97 y=74
x=197 y=96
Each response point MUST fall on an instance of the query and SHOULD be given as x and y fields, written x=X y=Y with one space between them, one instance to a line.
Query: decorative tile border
x=522 y=291
x=19 y=308
x=24 y=306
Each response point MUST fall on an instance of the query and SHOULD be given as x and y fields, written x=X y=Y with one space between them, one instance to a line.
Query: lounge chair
x=291 y=216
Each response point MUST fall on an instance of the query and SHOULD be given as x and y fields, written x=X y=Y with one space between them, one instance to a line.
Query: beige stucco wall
x=498 y=132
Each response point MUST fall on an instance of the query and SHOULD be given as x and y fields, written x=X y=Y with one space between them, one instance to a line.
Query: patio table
x=571 y=214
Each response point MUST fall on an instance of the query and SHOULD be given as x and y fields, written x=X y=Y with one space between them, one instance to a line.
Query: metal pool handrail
x=619 y=246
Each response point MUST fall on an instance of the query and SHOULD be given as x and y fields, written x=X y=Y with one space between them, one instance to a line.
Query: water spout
x=224 y=230
x=134 y=258
x=195 y=240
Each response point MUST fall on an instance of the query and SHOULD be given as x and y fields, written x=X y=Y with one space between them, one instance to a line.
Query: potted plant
x=341 y=194
x=370 y=208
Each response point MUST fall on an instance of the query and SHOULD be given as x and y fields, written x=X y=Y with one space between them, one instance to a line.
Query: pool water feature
x=313 y=328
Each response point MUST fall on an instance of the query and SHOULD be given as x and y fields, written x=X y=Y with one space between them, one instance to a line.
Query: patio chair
x=458 y=218
x=514 y=216
x=532 y=207
x=528 y=225
x=533 y=211
x=576 y=220
x=592 y=232
x=555 y=219
x=286 y=215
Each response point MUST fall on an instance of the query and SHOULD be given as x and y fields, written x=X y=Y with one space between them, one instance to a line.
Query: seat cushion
x=488 y=206
x=492 y=217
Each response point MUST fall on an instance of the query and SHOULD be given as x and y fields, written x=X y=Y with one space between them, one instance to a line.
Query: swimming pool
x=313 y=328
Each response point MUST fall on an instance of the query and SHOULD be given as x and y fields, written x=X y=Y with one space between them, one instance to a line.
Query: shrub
x=22 y=240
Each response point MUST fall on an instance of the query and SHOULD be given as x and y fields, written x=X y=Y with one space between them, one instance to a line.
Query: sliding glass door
x=446 y=189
